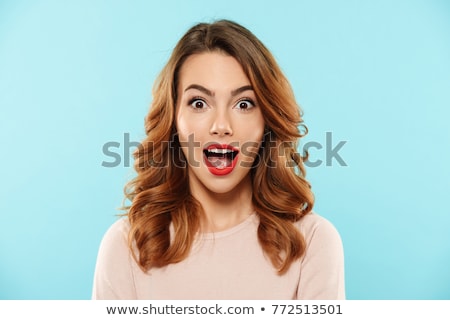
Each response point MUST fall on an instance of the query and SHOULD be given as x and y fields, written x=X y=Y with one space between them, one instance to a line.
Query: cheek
x=256 y=127
x=187 y=131
x=192 y=128
x=256 y=132
x=253 y=142
x=183 y=127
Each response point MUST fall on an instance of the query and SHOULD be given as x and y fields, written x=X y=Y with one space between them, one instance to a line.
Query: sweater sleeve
x=113 y=278
x=322 y=268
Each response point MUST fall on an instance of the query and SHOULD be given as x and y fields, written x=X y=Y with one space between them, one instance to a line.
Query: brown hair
x=160 y=194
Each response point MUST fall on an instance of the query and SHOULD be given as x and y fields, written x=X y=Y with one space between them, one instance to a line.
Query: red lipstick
x=220 y=158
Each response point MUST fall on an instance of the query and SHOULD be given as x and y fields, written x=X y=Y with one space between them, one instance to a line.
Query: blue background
x=75 y=75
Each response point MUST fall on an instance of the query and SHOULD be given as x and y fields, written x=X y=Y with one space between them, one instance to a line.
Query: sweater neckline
x=230 y=231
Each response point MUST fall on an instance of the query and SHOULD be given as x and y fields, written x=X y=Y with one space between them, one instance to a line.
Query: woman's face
x=219 y=122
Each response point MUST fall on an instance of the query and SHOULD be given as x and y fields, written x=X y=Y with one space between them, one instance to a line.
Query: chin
x=221 y=188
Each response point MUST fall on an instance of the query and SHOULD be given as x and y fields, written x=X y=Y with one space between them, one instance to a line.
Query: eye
x=245 y=104
x=197 y=103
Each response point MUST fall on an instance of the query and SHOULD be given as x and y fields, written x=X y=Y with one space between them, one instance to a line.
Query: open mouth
x=220 y=159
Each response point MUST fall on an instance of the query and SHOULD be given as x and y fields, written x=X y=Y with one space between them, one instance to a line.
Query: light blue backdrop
x=75 y=75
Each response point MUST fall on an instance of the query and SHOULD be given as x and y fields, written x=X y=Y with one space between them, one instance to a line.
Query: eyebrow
x=211 y=93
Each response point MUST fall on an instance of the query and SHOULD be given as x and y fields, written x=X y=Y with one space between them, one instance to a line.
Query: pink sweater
x=225 y=265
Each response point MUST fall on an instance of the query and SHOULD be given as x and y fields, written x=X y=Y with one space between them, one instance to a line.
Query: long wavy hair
x=159 y=195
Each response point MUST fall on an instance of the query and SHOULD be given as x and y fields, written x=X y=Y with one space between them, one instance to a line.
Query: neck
x=225 y=210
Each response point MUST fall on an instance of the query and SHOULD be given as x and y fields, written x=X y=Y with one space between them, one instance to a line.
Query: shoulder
x=114 y=244
x=313 y=225
x=113 y=277
x=321 y=236
x=117 y=232
x=322 y=266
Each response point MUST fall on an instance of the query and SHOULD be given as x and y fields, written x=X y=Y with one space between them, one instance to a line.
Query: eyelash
x=250 y=101
x=194 y=99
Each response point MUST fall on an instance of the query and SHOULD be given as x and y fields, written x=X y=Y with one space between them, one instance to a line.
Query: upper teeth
x=222 y=151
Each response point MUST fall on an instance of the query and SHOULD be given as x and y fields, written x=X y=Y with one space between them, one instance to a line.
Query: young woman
x=220 y=208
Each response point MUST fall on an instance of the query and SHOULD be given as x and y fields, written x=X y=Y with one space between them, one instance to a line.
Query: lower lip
x=221 y=172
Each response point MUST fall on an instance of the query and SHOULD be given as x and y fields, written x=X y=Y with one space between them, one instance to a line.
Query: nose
x=221 y=124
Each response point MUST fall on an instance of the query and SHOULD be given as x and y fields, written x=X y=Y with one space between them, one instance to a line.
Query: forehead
x=214 y=70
